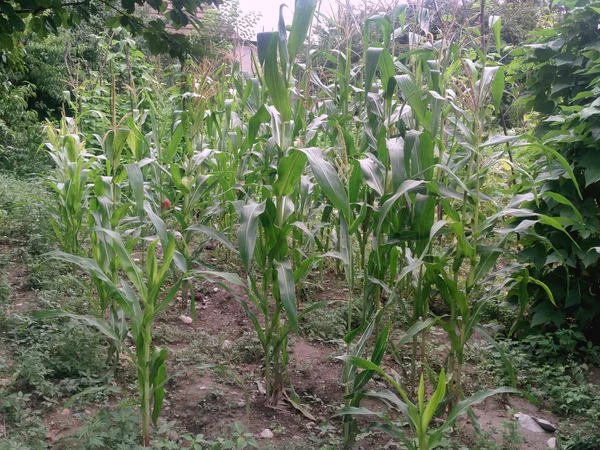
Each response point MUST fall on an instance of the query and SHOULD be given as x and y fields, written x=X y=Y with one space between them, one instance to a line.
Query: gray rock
x=551 y=443
x=266 y=434
x=186 y=319
x=528 y=423
x=547 y=426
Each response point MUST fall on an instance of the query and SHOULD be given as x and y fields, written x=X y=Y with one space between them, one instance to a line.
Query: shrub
x=560 y=76
x=57 y=358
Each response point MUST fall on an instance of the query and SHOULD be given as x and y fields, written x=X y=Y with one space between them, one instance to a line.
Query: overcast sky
x=270 y=11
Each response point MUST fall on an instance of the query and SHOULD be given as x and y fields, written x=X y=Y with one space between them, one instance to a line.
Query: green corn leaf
x=355 y=184
x=498 y=139
x=261 y=116
x=421 y=399
x=498 y=89
x=89 y=320
x=361 y=363
x=373 y=172
x=248 y=230
x=415 y=330
x=287 y=291
x=563 y=201
x=484 y=86
x=329 y=180
x=386 y=27
x=289 y=171
x=283 y=49
x=356 y=411
x=507 y=364
x=175 y=140
x=304 y=11
x=232 y=278
x=371 y=63
x=376 y=357
x=464 y=405
x=395 y=148
x=159 y=356
x=410 y=93
x=136 y=181
x=215 y=235
x=274 y=82
x=164 y=237
x=487 y=259
x=405 y=187
x=168 y=256
x=386 y=67
x=495 y=23
x=177 y=179
x=169 y=296
x=113 y=145
x=314 y=306
x=159 y=392
x=364 y=208
x=434 y=401
x=262 y=45
x=393 y=431
x=388 y=396
x=87 y=264
x=151 y=265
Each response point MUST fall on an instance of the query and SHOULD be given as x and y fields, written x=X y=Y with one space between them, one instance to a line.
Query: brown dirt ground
x=206 y=401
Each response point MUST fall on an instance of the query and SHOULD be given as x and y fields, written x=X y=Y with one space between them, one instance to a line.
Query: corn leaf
x=289 y=171
x=373 y=173
x=329 y=180
x=274 y=82
x=287 y=291
x=248 y=230
x=303 y=13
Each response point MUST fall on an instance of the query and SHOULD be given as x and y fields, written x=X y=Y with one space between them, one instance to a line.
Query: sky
x=270 y=11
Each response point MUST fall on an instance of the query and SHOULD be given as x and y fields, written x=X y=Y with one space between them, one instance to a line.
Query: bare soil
x=209 y=400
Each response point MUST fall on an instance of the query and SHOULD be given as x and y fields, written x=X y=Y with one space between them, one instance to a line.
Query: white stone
x=186 y=319
x=215 y=290
x=529 y=423
x=65 y=412
x=551 y=443
x=227 y=345
x=266 y=434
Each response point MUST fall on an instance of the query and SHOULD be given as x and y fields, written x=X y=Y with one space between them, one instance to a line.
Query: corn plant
x=265 y=226
x=419 y=415
x=70 y=185
x=140 y=294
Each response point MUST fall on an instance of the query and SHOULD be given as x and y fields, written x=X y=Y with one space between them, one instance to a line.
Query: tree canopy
x=158 y=25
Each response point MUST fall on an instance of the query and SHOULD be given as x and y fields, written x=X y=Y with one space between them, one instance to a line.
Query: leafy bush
x=119 y=429
x=4 y=290
x=22 y=424
x=550 y=368
x=57 y=358
x=560 y=75
x=586 y=438
x=326 y=324
x=22 y=212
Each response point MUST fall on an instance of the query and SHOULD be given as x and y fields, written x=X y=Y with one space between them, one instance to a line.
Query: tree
x=47 y=16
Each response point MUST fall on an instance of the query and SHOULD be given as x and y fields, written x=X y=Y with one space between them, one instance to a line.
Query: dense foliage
x=560 y=76
x=388 y=164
